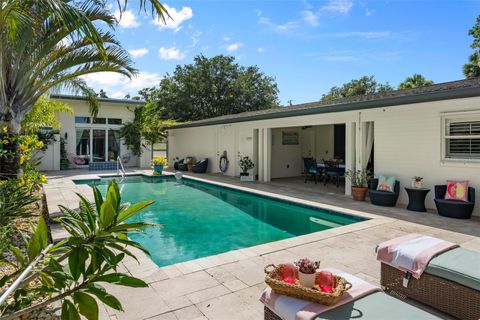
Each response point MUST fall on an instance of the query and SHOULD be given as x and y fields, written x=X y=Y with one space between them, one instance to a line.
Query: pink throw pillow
x=457 y=190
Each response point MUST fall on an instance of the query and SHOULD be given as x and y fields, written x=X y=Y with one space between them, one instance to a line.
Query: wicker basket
x=274 y=280
x=442 y=294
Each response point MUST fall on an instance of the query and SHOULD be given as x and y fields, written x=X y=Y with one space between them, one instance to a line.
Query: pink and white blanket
x=289 y=308
x=412 y=253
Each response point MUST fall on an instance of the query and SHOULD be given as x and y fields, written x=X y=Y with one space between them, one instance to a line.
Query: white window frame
x=463 y=116
x=101 y=126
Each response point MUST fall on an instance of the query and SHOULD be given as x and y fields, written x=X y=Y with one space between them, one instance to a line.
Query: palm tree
x=415 y=81
x=472 y=68
x=48 y=45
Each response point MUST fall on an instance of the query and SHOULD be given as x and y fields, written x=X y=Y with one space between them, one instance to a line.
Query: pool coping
x=148 y=267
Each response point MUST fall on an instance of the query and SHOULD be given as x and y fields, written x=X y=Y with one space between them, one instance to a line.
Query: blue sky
x=307 y=46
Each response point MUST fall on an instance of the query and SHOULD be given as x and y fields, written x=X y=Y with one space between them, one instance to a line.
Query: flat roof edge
x=107 y=100
x=457 y=93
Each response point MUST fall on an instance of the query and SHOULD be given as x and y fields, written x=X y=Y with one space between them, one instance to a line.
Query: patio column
x=267 y=153
x=350 y=152
x=260 y=154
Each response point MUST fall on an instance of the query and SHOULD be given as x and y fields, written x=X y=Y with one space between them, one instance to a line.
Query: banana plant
x=72 y=271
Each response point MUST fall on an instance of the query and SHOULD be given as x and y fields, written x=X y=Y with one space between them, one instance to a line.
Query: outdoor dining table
x=322 y=165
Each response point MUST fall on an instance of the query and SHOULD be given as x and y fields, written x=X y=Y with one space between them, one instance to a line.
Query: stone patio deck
x=228 y=285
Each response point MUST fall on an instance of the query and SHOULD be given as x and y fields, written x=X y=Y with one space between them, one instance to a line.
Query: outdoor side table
x=416 y=199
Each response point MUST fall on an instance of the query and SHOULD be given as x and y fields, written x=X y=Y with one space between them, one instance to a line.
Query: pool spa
x=201 y=219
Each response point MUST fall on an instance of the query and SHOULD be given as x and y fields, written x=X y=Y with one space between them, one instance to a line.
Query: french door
x=98 y=144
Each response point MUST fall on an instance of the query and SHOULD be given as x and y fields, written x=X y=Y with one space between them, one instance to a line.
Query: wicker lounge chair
x=201 y=166
x=176 y=164
x=451 y=283
x=383 y=198
x=454 y=208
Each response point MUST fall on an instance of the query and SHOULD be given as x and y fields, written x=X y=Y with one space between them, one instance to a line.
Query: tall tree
x=47 y=45
x=366 y=85
x=414 y=81
x=102 y=94
x=212 y=87
x=472 y=68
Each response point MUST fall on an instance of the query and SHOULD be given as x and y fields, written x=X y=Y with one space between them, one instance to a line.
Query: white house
x=94 y=141
x=432 y=132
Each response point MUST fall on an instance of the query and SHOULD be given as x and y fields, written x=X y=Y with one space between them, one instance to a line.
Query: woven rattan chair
x=454 y=208
x=383 y=198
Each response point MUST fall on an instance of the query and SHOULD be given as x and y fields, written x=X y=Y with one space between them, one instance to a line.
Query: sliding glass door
x=83 y=143
x=98 y=145
x=98 y=140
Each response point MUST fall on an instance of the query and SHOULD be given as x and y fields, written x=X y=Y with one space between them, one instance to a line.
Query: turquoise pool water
x=202 y=219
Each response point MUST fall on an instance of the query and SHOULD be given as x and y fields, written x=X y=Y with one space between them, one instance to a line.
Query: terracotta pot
x=307 y=279
x=190 y=166
x=359 y=193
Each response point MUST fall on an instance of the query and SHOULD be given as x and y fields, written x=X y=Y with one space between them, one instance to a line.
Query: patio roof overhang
x=438 y=92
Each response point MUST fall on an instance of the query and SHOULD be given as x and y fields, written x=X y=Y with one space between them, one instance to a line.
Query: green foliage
x=96 y=245
x=246 y=164
x=414 y=81
x=14 y=202
x=366 y=85
x=472 y=68
x=148 y=125
x=212 y=87
x=44 y=114
x=359 y=178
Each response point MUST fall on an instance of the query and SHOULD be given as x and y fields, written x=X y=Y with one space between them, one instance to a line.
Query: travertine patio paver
x=202 y=288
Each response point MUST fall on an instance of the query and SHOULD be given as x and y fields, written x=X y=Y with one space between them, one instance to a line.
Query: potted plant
x=307 y=272
x=359 y=180
x=417 y=182
x=190 y=161
x=158 y=163
x=245 y=164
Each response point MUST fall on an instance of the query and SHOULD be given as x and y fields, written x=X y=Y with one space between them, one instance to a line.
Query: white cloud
x=118 y=86
x=369 y=12
x=226 y=38
x=310 y=17
x=137 y=53
x=260 y=50
x=338 y=6
x=234 y=46
x=172 y=53
x=176 y=18
x=277 y=27
x=366 y=34
x=127 y=19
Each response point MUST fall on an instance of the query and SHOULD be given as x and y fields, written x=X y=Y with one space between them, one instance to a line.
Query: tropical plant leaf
x=133 y=210
x=104 y=296
x=122 y=279
x=69 y=312
x=38 y=241
x=107 y=214
x=87 y=305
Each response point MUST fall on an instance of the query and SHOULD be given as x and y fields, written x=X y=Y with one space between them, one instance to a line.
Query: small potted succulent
x=359 y=180
x=158 y=163
x=246 y=164
x=417 y=182
x=307 y=272
x=190 y=161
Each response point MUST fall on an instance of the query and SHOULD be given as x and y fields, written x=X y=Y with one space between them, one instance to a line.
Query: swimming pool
x=202 y=219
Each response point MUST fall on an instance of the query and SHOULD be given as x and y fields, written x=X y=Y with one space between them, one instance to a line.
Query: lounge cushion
x=459 y=265
x=376 y=306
